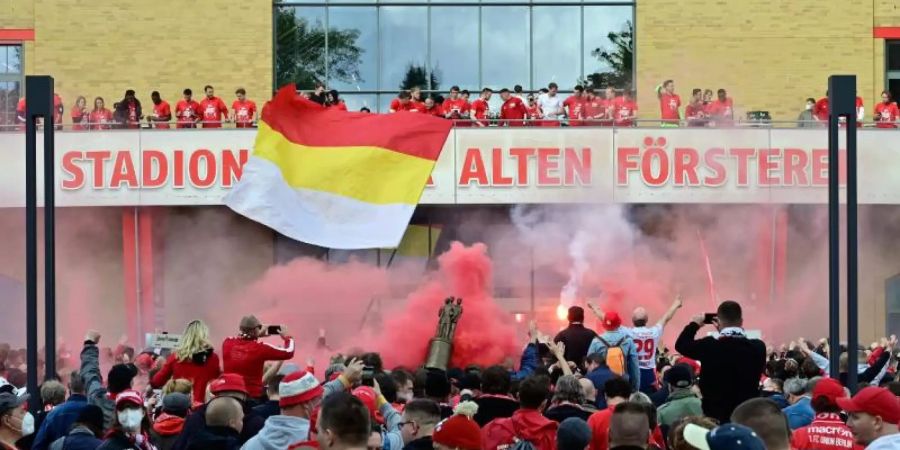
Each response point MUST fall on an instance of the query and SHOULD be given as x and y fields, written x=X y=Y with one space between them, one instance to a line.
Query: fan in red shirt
x=513 y=112
x=608 y=107
x=527 y=423
x=58 y=111
x=100 y=117
x=669 y=102
x=243 y=110
x=821 y=110
x=187 y=111
x=162 y=113
x=128 y=112
x=626 y=110
x=246 y=356
x=721 y=110
x=20 y=113
x=456 y=108
x=480 y=107
x=403 y=102
x=616 y=390
x=416 y=102
x=827 y=431
x=574 y=106
x=194 y=360
x=695 y=111
x=886 y=112
x=533 y=111
x=334 y=101
x=860 y=111
x=431 y=108
x=80 y=114
x=214 y=110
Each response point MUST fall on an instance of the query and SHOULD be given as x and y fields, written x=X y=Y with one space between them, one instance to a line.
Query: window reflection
x=599 y=22
x=300 y=37
x=353 y=48
x=403 y=46
x=505 y=58
x=454 y=46
x=557 y=45
x=355 y=102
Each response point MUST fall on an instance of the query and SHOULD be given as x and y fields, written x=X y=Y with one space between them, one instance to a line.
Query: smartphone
x=709 y=318
x=368 y=376
x=273 y=330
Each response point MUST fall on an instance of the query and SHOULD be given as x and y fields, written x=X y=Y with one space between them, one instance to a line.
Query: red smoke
x=484 y=334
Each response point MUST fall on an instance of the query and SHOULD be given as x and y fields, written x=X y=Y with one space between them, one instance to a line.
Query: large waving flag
x=337 y=179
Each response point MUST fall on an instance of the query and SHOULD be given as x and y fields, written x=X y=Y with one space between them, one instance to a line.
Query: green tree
x=619 y=59
x=418 y=76
x=301 y=56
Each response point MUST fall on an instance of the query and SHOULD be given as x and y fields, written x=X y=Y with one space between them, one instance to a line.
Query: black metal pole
x=49 y=235
x=852 y=257
x=834 y=251
x=31 y=319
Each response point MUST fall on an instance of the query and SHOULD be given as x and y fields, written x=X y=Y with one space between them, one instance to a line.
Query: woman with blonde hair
x=193 y=360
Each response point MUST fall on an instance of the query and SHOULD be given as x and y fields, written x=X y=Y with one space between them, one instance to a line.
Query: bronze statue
x=441 y=346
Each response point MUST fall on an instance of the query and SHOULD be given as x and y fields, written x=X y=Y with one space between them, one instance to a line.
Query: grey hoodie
x=279 y=433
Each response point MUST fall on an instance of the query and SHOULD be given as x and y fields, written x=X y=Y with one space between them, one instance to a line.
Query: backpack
x=615 y=356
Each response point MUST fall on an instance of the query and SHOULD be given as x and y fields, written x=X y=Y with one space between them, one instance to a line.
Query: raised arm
x=597 y=312
x=687 y=345
x=676 y=305
x=90 y=364
x=559 y=350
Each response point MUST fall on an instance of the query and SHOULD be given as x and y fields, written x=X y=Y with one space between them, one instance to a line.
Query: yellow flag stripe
x=368 y=174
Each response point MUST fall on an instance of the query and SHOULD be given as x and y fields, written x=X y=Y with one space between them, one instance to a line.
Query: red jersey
x=434 y=111
x=416 y=106
x=245 y=110
x=80 y=118
x=100 y=119
x=722 y=112
x=594 y=108
x=213 y=111
x=886 y=115
x=514 y=110
x=625 y=112
x=396 y=106
x=340 y=106
x=480 y=109
x=456 y=109
x=162 y=110
x=57 y=109
x=187 y=113
x=247 y=357
x=826 y=432
x=20 y=111
x=599 y=425
x=575 y=109
x=133 y=120
x=668 y=106
x=695 y=113
x=525 y=424
x=201 y=368
x=821 y=110
x=533 y=113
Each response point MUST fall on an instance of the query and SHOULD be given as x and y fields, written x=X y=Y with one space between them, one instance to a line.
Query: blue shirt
x=599 y=377
x=800 y=414
x=59 y=421
x=632 y=369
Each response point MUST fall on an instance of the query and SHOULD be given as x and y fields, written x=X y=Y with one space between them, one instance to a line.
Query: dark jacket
x=216 y=438
x=659 y=397
x=196 y=422
x=491 y=407
x=563 y=412
x=731 y=368
x=59 y=421
x=80 y=438
x=870 y=373
x=118 y=441
x=165 y=431
x=267 y=409
x=93 y=383
x=577 y=339
x=599 y=377
x=424 y=443
x=530 y=360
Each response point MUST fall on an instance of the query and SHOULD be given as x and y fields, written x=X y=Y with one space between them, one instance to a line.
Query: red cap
x=130 y=397
x=369 y=398
x=612 y=321
x=830 y=389
x=874 y=401
x=298 y=387
x=228 y=382
x=695 y=366
x=459 y=432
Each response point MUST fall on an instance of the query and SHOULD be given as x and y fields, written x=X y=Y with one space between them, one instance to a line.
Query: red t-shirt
x=79 y=117
x=340 y=106
x=213 y=111
x=416 y=106
x=514 y=111
x=162 y=110
x=820 y=111
x=397 y=106
x=886 y=115
x=20 y=111
x=599 y=425
x=575 y=109
x=625 y=112
x=826 y=432
x=57 y=109
x=719 y=109
x=434 y=111
x=245 y=110
x=668 y=106
x=187 y=113
x=456 y=109
x=532 y=113
x=695 y=113
x=479 y=110
x=199 y=374
x=247 y=357
x=100 y=119
x=133 y=120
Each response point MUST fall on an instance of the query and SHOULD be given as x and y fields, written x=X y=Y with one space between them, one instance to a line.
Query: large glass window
x=609 y=45
x=892 y=65
x=301 y=41
x=10 y=84
x=404 y=46
x=454 y=46
x=353 y=48
x=556 y=52
x=505 y=46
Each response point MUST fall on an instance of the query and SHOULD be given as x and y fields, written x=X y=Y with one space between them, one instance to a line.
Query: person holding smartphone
x=245 y=355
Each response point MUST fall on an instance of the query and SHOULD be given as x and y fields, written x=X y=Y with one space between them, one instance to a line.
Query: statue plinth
x=439 y=351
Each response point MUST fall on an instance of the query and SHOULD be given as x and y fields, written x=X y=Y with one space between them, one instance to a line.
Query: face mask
x=130 y=419
x=808 y=107
x=27 y=424
x=406 y=396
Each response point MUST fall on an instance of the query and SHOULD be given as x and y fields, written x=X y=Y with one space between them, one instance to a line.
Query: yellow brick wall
x=17 y=14
x=887 y=13
x=768 y=55
x=94 y=49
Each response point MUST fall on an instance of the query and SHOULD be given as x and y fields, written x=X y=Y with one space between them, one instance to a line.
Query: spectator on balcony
x=58 y=110
x=243 y=109
x=187 y=110
x=481 y=108
x=20 y=113
x=214 y=109
x=80 y=115
x=100 y=117
x=695 y=111
x=860 y=111
x=517 y=92
x=707 y=97
x=610 y=102
x=592 y=106
x=532 y=110
x=465 y=95
x=551 y=106
x=403 y=102
x=335 y=101
x=128 y=112
x=365 y=109
x=721 y=110
x=886 y=112
x=456 y=107
x=807 y=118
x=574 y=106
x=821 y=109
x=513 y=112
x=431 y=108
x=417 y=103
x=318 y=95
x=162 y=112
x=626 y=110
x=669 y=102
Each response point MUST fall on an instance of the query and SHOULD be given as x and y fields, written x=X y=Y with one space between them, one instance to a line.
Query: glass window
x=355 y=102
x=9 y=98
x=557 y=45
x=10 y=59
x=454 y=47
x=404 y=46
x=505 y=58
x=608 y=45
x=300 y=41
x=893 y=55
x=353 y=48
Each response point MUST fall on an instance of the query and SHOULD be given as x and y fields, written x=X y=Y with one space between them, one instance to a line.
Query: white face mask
x=808 y=107
x=406 y=396
x=130 y=419
x=27 y=424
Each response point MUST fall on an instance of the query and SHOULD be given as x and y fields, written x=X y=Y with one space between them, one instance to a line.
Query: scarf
x=732 y=332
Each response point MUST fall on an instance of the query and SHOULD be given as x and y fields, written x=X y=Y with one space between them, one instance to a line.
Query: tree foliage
x=418 y=76
x=619 y=58
x=301 y=56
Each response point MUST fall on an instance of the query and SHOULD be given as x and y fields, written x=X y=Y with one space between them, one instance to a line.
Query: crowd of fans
x=619 y=389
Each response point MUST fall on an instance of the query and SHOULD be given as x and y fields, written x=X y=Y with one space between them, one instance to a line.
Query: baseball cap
x=725 y=437
x=680 y=376
x=129 y=397
x=874 y=401
x=10 y=401
x=458 y=431
x=611 y=321
x=830 y=389
x=298 y=387
x=573 y=433
x=250 y=323
x=228 y=382
x=369 y=398
x=176 y=402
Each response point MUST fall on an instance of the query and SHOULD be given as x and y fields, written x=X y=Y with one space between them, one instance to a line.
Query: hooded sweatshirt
x=202 y=368
x=525 y=424
x=166 y=430
x=279 y=433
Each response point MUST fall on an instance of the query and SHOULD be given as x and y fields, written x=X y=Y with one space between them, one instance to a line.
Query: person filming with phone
x=731 y=364
x=246 y=356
